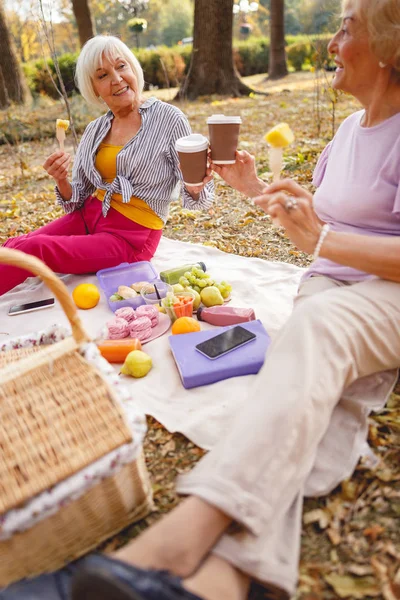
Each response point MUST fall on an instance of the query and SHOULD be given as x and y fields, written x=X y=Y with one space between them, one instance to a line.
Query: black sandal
x=104 y=578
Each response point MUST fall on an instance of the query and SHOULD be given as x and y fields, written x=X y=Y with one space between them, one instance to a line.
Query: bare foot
x=180 y=541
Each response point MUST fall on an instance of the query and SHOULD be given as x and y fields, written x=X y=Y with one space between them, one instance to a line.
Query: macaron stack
x=126 y=313
x=133 y=323
x=146 y=310
x=140 y=328
x=117 y=328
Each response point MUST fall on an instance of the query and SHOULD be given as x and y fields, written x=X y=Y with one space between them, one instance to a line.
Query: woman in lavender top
x=304 y=424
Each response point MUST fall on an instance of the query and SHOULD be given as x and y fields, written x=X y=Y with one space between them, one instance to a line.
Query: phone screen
x=225 y=342
x=17 y=309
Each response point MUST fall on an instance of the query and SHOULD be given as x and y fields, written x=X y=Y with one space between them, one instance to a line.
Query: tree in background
x=83 y=19
x=176 y=21
x=25 y=36
x=134 y=7
x=319 y=16
x=212 y=70
x=277 y=67
x=258 y=19
x=11 y=87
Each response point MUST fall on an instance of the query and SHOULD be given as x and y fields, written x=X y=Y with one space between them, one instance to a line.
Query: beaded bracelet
x=322 y=236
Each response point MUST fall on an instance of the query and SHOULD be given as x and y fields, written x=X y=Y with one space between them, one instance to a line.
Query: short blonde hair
x=382 y=20
x=91 y=58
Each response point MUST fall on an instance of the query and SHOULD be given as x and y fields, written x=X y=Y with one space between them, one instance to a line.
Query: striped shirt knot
x=120 y=185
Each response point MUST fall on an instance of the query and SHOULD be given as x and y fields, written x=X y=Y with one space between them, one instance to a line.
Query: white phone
x=18 y=309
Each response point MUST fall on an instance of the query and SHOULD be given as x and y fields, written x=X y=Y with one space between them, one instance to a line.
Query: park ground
x=350 y=541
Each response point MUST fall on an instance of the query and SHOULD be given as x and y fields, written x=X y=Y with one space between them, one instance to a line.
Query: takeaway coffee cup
x=192 y=151
x=224 y=135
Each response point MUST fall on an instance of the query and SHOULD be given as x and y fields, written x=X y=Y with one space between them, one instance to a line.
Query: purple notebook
x=196 y=369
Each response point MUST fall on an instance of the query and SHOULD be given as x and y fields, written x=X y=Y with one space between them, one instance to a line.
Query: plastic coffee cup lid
x=223 y=119
x=192 y=143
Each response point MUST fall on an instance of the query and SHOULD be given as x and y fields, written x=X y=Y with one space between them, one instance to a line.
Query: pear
x=197 y=298
x=211 y=296
x=137 y=364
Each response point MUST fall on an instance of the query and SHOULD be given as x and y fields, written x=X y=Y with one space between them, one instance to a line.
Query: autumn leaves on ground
x=350 y=543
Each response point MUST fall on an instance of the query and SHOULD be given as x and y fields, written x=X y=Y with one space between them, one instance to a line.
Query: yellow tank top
x=136 y=209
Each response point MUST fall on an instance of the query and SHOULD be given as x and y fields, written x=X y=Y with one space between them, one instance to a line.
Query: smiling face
x=357 y=66
x=115 y=82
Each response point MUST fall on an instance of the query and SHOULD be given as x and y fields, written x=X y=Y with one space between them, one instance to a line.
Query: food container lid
x=223 y=119
x=125 y=274
x=191 y=143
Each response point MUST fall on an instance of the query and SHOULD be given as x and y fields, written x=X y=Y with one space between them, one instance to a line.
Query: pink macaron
x=117 y=328
x=126 y=313
x=146 y=310
x=140 y=328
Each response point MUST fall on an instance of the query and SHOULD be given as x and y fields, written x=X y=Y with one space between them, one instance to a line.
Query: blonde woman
x=304 y=424
x=125 y=171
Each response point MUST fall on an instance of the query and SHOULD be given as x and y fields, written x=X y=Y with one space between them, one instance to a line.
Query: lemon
x=86 y=295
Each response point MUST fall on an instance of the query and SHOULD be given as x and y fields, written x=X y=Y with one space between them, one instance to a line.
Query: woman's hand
x=194 y=190
x=57 y=165
x=242 y=175
x=295 y=212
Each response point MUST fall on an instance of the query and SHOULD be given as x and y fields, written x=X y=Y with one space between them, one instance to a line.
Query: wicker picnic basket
x=63 y=422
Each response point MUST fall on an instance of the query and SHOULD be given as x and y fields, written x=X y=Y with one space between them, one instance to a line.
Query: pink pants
x=82 y=242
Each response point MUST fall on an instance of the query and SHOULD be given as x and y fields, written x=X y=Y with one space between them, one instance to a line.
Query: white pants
x=301 y=428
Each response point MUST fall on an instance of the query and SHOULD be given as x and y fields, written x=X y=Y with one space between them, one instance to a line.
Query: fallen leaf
x=334 y=536
x=373 y=532
x=352 y=587
x=317 y=516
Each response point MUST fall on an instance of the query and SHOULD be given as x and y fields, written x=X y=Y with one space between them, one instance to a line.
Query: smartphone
x=225 y=342
x=18 y=309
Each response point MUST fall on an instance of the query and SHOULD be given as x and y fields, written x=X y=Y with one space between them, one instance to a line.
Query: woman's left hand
x=194 y=190
x=287 y=201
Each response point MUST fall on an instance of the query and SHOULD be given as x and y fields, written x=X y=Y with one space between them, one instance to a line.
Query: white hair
x=91 y=58
x=382 y=20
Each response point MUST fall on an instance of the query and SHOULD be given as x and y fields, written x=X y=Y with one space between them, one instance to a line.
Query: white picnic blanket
x=200 y=413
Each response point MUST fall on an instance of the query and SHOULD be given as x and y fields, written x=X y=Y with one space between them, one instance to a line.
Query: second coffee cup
x=192 y=152
x=224 y=136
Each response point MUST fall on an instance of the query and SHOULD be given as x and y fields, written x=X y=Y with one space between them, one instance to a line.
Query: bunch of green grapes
x=197 y=279
x=225 y=289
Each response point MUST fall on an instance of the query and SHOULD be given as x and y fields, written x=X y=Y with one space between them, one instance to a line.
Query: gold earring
x=382 y=64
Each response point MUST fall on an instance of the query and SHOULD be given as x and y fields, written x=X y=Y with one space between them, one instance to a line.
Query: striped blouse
x=147 y=166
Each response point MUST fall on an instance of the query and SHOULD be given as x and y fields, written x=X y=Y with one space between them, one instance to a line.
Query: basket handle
x=16 y=258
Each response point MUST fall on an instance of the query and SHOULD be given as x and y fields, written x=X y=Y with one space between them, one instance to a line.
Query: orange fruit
x=185 y=325
x=86 y=295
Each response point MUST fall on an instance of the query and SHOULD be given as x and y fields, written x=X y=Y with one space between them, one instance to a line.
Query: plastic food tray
x=125 y=274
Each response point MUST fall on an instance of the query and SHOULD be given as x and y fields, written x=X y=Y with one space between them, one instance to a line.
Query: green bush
x=311 y=50
x=39 y=78
x=167 y=67
x=297 y=54
x=251 y=56
x=163 y=67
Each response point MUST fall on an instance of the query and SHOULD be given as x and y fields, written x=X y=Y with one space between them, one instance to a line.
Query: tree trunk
x=11 y=87
x=83 y=20
x=277 y=67
x=212 y=69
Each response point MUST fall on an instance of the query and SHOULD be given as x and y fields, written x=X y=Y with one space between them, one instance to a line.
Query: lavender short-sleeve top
x=358 y=177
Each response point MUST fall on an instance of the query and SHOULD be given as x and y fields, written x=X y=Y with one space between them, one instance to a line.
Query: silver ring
x=290 y=204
